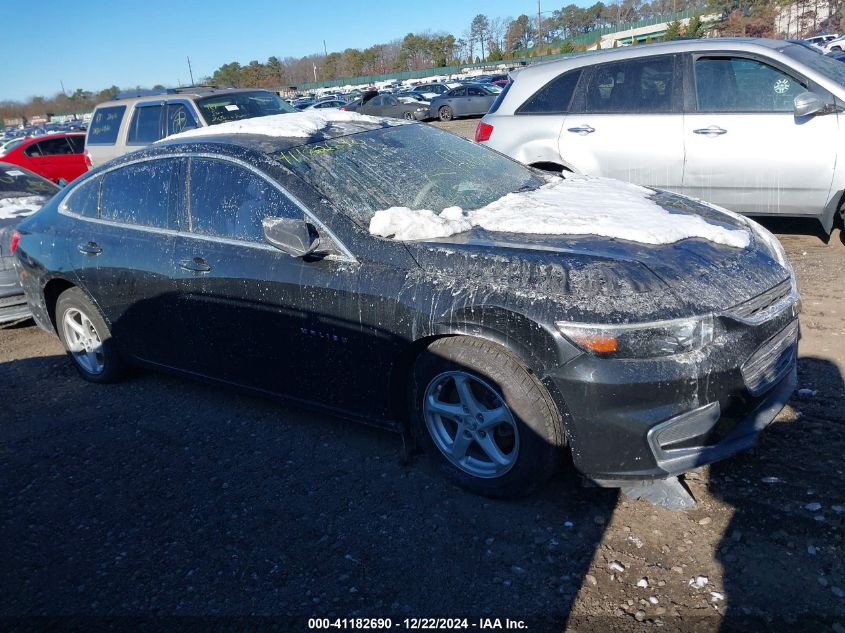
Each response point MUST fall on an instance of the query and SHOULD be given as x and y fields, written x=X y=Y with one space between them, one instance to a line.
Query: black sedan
x=466 y=100
x=386 y=105
x=282 y=260
x=22 y=193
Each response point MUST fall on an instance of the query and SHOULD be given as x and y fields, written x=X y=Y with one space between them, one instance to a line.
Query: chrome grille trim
x=772 y=360
x=764 y=306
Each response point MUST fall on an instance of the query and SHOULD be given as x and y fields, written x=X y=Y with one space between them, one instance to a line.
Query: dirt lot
x=164 y=497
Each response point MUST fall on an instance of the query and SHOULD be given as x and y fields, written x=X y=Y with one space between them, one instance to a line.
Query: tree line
x=489 y=39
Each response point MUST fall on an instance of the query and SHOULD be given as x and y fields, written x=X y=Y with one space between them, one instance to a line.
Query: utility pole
x=63 y=87
x=190 y=71
x=539 y=26
x=325 y=50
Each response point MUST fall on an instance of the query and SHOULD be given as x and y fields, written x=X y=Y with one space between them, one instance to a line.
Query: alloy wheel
x=471 y=424
x=83 y=341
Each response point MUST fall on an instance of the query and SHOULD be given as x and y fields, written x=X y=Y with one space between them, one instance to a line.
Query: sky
x=94 y=44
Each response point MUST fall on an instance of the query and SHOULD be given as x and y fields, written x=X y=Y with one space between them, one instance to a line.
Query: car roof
x=41 y=137
x=130 y=98
x=746 y=44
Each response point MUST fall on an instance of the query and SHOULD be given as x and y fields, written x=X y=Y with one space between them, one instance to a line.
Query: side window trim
x=345 y=252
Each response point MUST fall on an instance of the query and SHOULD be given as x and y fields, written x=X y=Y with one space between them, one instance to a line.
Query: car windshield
x=241 y=105
x=8 y=146
x=15 y=182
x=827 y=66
x=414 y=166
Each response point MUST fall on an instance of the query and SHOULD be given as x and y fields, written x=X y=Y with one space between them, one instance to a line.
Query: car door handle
x=713 y=130
x=195 y=265
x=89 y=248
x=583 y=130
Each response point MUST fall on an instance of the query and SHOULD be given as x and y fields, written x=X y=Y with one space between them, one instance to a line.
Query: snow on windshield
x=21 y=206
x=294 y=124
x=578 y=205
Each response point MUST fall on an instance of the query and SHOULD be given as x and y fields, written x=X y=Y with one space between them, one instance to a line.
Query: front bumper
x=654 y=418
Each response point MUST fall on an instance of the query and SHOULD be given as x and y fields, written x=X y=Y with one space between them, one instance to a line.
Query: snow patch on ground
x=293 y=124
x=579 y=205
x=20 y=207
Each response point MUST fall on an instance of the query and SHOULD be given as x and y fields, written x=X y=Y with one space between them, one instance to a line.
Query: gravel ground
x=161 y=496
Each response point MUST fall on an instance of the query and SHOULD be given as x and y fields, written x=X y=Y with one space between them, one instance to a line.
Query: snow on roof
x=577 y=205
x=290 y=125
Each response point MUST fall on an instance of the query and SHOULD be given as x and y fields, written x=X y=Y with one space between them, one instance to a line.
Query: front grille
x=772 y=360
x=756 y=307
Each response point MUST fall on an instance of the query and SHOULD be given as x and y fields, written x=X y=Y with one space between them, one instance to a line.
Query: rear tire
x=489 y=425
x=87 y=338
x=445 y=113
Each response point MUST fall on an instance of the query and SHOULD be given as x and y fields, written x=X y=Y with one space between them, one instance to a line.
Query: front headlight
x=640 y=340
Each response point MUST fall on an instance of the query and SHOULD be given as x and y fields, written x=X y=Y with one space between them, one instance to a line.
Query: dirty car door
x=256 y=316
x=121 y=251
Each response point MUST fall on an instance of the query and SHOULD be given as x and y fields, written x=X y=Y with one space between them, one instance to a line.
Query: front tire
x=87 y=338
x=408 y=116
x=490 y=426
x=445 y=113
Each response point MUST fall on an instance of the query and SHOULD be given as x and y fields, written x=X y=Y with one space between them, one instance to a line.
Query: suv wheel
x=487 y=422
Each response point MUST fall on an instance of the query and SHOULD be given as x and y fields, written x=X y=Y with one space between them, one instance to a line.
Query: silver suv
x=748 y=124
x=134 y=120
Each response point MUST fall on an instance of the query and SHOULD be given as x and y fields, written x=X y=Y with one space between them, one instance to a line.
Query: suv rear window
x=105 y=125
x=554 y=97
x=241 y=105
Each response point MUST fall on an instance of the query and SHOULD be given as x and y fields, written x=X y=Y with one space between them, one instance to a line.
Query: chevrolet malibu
x=397 y=274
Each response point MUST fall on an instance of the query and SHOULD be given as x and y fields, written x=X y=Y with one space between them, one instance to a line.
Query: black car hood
x=591 y=277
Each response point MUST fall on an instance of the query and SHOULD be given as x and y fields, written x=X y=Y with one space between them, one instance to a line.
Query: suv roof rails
x=129 y=94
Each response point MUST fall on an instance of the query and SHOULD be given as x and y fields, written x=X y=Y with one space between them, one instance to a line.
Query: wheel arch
x=495 y=325
x=52 y=290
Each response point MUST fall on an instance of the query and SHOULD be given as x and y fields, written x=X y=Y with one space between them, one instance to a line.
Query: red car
x=53 y=156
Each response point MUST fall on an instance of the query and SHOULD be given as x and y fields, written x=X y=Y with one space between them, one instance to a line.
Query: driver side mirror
x=808 y=103
x=61 y=182
x=297 y=238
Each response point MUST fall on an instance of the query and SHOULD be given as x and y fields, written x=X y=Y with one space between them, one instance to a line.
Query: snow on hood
x=293 y=124
x=577 y=205
x=20 y=207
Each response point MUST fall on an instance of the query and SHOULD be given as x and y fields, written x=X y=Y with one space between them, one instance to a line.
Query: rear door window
x=739 y=84
x=105 y=125
x=553 y=98
x=77 y=143
x=85 y=198
x=49 y=147
x=641 y=86
x=229 y=201
x=145 y=127
x=143 y=194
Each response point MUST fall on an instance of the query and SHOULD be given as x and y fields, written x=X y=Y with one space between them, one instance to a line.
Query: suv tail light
x=483 y=132
x=13 y=244
x=88 y=162
x=344 y=108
